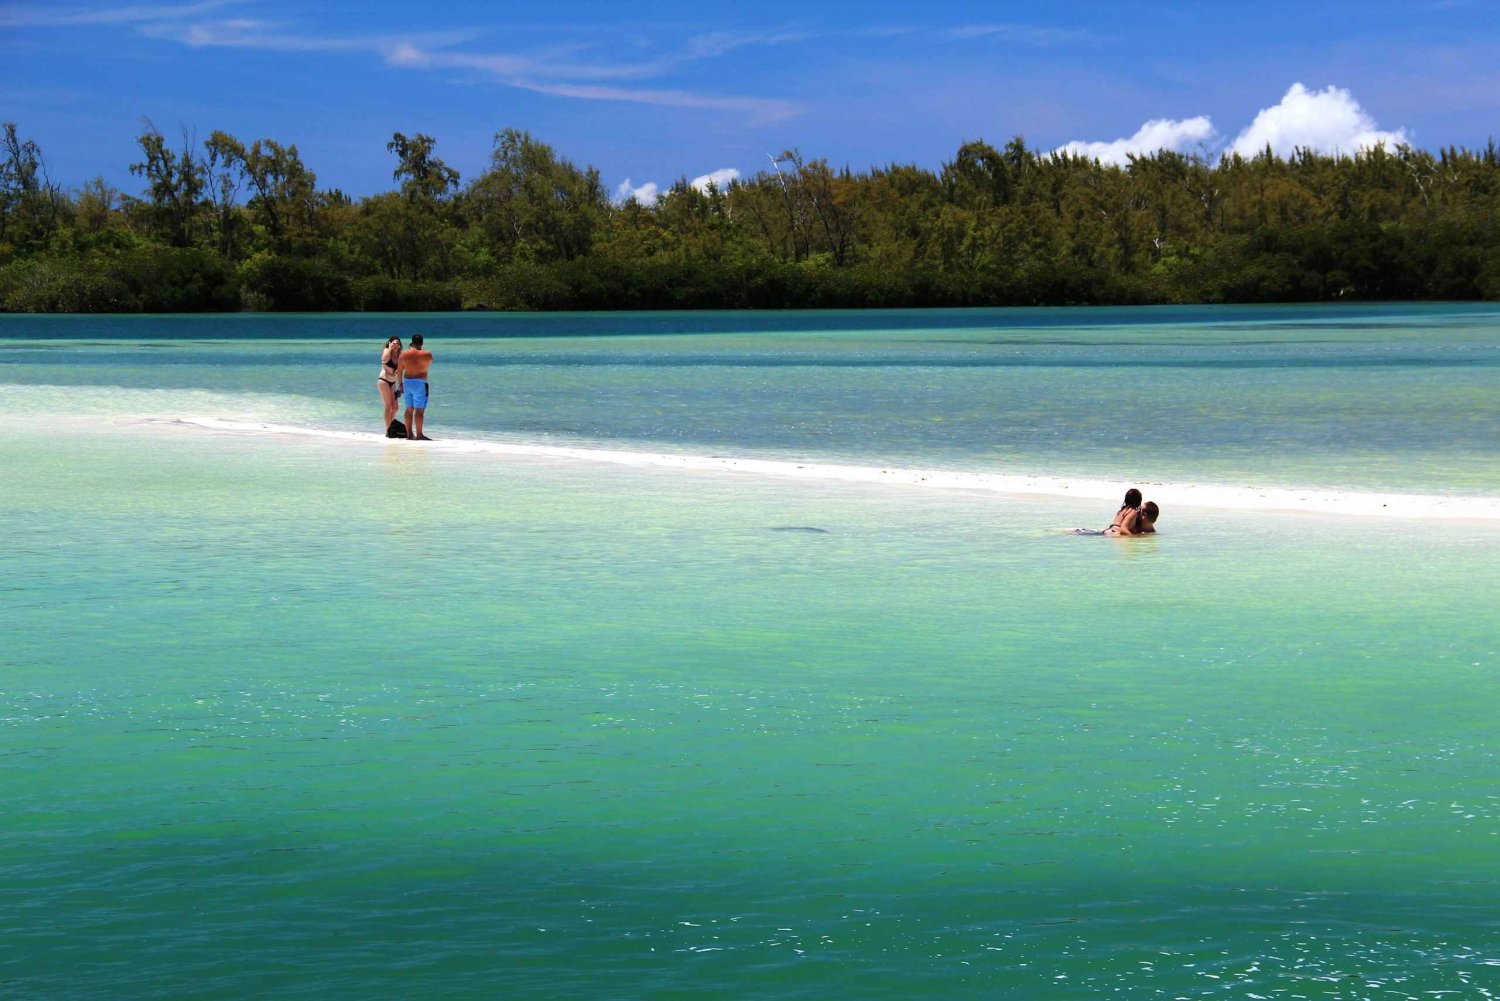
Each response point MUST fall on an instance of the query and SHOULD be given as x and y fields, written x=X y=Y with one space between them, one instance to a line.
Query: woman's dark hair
x=1132 y=498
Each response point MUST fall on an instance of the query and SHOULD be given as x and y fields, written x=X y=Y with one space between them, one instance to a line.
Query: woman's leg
x=387 y=396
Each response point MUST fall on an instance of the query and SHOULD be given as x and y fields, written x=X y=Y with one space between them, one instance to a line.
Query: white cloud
x=646 y=194
x=1327 y=121
x=1157 y=134
x=719 y=178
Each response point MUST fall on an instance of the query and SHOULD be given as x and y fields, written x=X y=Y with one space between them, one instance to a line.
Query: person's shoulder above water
x=1129 y=509
x=1142 y=522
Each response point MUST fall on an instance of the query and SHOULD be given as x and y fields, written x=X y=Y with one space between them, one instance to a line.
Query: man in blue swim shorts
x=415 y=361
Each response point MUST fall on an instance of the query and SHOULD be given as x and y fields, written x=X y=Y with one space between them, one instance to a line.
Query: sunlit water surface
x=304 y=718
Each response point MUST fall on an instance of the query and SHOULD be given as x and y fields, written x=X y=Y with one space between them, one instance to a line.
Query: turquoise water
x=295 y=717
x=1393 y=397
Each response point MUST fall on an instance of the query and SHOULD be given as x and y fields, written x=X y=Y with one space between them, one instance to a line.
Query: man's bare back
x=415 y=362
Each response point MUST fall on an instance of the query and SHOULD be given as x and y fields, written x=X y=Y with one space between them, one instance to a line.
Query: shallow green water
x=292 y=717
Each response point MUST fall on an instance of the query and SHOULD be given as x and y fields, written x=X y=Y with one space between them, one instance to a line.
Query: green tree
x=96 y=207
x=424 y=178
x=175 y=187
x=410 y=235
x=31 y=206
x=534 y=205
x=222 y=178
x=283 y=197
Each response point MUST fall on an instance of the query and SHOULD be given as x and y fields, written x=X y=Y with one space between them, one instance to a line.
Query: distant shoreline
x=991 y=319
x=763 y=309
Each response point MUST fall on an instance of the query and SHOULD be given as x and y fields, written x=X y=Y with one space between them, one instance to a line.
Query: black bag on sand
x=396 y=430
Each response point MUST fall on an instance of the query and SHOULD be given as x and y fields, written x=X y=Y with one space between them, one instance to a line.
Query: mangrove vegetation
x=221 y=224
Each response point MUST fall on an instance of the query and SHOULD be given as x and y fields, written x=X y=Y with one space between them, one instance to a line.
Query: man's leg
x=420 y=414
x=409 y=433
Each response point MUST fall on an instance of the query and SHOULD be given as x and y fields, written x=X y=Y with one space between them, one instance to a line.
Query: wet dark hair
x=1132 y=498
x=1150 y=511
x=416 y=340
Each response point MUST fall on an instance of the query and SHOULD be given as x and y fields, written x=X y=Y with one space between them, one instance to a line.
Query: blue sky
x=653 y=92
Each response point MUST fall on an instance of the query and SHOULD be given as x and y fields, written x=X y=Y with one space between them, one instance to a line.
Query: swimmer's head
x=1132 y=497
x=1150 y=511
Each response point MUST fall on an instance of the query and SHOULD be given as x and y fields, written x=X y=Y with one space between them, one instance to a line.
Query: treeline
x=221 y=225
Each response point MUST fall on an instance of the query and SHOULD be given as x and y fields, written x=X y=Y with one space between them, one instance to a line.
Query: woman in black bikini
x=389 y=381
x=1128 y=510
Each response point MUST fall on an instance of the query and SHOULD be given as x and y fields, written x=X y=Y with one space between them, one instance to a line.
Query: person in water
x=1142 y=522
x=415 y=362
x=1131 y=519
x=389 y=380
x=1129 y=509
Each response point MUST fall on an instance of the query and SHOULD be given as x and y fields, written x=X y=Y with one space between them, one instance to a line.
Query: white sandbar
x=1168 y=495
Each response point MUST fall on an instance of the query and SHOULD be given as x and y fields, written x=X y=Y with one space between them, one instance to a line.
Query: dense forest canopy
x=224 y=225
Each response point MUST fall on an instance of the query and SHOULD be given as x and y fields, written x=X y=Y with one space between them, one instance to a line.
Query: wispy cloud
x=761 y=111
x=49 y=96
x=32 y=16
x=576 y=63
x=566 y=72
x=581 y=62
x=540 y=77
x=573 y=73
x=274 y=36
x=584 y=72
x=1025 y=33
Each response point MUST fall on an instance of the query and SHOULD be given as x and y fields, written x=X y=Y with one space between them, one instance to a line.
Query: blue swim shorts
x=416 y=394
